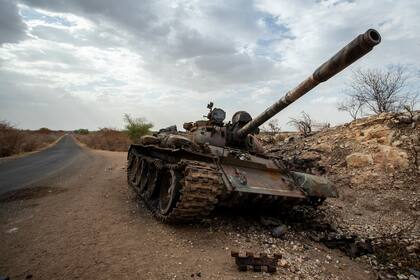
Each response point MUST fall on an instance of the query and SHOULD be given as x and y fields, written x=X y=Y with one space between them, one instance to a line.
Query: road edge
x=33 y=152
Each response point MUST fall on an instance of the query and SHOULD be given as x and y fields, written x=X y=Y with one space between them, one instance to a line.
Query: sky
x=82 y=64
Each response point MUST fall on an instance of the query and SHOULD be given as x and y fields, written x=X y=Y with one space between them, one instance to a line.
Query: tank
x=183 y=176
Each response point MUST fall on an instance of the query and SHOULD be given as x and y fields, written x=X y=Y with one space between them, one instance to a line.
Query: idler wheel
x=168 y=190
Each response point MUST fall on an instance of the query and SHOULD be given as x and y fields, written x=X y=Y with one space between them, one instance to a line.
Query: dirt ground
x=87 y=224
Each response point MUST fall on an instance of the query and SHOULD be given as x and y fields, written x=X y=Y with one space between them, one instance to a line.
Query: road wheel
x=168 y=190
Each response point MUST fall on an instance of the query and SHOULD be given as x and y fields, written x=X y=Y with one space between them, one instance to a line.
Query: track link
x=199 y=187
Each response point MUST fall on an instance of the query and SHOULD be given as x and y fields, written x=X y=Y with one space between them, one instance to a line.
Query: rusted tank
x=183 y=176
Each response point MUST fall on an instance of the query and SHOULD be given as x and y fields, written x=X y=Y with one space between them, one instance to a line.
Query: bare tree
x=352 y=106
x=378 y=91
x=410 y=104
x=273 y=126
x=303 y=124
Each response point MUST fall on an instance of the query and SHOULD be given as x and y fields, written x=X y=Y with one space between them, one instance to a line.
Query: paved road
x=16 y=173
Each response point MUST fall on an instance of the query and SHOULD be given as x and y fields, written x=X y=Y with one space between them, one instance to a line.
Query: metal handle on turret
x=354 y=50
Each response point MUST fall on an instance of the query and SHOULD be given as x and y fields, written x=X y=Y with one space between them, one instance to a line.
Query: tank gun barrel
x=354 y=50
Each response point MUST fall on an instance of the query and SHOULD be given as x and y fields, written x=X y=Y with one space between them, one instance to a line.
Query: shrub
x=136 y=127
x=82 y=131
x=14 y=141
x=44 y=130
x=106 y=139
x=10 y=138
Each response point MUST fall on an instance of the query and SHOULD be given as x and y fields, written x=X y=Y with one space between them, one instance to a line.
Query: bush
x=106 y=139
x=82 y=131
x=136 y=127
x=44 y=130
x=15 y=141
x=10 y=138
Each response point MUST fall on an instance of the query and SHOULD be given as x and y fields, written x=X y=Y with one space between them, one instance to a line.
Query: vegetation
x=378 y=91
x=82 y=131
x=272 y=126
x=16 y=141
x=303 y=124
x=136 y=127
x=106 y=139
x=113 y=139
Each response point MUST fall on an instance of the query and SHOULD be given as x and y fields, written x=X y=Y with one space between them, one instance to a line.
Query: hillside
x=374 y=163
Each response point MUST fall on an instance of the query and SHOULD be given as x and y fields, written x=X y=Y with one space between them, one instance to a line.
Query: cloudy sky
x=70 y=64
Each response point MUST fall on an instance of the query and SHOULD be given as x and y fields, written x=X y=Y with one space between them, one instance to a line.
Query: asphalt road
x=20 y=172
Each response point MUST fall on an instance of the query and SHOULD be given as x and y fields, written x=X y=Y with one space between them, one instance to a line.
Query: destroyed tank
x=183 y=176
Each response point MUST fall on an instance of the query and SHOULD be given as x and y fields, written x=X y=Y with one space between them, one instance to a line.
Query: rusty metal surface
x=260 y=181
x=354 y=50
x=261 y=262
x=315 y=185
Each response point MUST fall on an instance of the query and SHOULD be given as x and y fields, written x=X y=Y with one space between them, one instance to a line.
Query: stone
x=270 y=221
x=322 y=147
x=414 y=272
x=382 y=134
x=357 y=160
x=283 y=263
x=310 y=156
x=289 y=139
x=279 y=137
x=391 y=157
x=279 y=231
x=412 y=248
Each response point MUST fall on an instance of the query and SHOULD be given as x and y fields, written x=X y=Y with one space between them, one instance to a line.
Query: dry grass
x=106 y=139
x=16 y=141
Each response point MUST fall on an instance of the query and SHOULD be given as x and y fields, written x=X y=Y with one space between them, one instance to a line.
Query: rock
x=396 y=143
x=405 y=119
x=289 y=139
x=379 y=132
x=413 y=248
x=269 y=221
x=414 y=272
x=412 y=277
x=402 y=277
x=357 y=160
x=310 y=156
x=283 y=263
x=279 y=137
x=391 y=157
x=322 y=147
x=387 y=276
x=279 y=231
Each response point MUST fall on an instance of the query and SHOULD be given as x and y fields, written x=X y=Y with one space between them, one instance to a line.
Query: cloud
x=165 y=60
x=12 y=28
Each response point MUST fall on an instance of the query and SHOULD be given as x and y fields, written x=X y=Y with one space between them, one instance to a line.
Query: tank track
x=197 y=194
